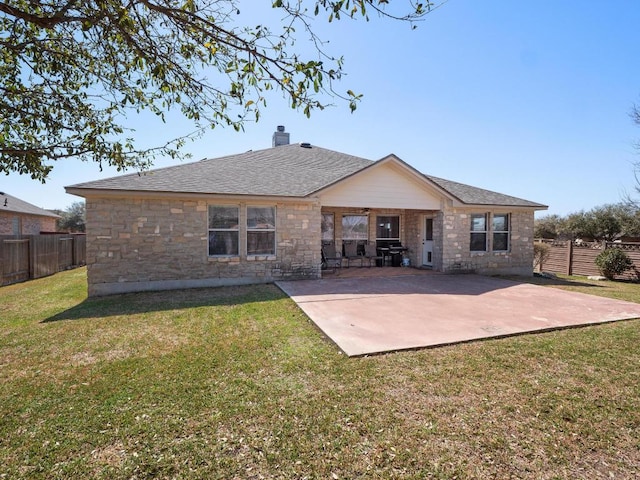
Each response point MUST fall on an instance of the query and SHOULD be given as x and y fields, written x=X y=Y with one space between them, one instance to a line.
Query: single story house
x=263 y=215
x=18 y=217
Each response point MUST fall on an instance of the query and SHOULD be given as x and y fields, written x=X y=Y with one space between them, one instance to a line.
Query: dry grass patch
x=112 y=456
x=621 y=290
x=236 y=383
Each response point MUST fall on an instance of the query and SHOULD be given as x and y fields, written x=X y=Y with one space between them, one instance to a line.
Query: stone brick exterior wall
x=136 y=244
x=415 y=234
x=48 y=224
x=7 y=223
x=27 y=224
x=411 y=225
x=456 y=240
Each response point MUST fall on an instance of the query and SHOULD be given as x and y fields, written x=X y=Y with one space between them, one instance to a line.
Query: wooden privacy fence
x=578 y=258
x=33 y=256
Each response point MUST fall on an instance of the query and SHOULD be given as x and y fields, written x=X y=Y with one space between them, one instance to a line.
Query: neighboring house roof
x=286 y=171
x=9 y=203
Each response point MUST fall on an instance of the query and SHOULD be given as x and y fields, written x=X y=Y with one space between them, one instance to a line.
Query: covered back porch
x=402 y=237
x=386 y=205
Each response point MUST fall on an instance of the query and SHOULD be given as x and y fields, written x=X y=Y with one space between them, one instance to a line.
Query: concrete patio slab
x=373 y=315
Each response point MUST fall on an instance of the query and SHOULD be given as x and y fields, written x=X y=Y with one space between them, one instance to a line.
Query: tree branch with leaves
x=71 y=71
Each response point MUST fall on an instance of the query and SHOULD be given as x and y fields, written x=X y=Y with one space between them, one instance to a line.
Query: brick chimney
x=280 y=137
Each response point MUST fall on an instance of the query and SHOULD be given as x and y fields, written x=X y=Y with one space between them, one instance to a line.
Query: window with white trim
x=261 y=230
x=478 y=233
x=223 y=230
x=500 y=231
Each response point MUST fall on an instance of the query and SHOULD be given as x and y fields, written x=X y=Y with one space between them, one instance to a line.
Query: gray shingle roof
x=286 y=171
x=478 y=196
x=16 y=205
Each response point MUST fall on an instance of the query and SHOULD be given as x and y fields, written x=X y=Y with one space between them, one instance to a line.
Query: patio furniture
x=330 y=259
x=351 y=253
x=391 y=252
x=371 y=254
x=384 y=251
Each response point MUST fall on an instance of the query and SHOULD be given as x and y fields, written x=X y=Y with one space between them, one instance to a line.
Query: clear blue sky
x=525 y=98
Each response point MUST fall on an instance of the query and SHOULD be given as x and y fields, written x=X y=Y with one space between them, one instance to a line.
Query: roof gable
x=387 y=183
x=396 y=193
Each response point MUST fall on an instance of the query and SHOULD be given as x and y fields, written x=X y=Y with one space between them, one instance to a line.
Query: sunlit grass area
x=237 y=383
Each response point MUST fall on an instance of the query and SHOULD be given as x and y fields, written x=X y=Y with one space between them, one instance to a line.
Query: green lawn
x=237 y=383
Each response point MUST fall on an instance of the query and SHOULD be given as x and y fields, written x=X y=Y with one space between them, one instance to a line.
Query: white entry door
x=427 y=242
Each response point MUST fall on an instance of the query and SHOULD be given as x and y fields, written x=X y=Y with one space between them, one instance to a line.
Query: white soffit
x=386 y=185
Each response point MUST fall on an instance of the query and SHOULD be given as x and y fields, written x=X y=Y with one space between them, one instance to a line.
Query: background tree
x=73 y=218
x=577 y=225
x=629 y=218
x=606 y=222
x=550 y=226
x=599 y=223
x=635 y=116
x=71 y=70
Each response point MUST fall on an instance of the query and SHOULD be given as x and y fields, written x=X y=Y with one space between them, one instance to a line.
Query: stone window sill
x=260 y=258
x=231 y=259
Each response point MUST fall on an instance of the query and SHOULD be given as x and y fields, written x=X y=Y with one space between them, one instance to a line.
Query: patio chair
x=371 y=254
x=351 y=253
x=330 y=259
